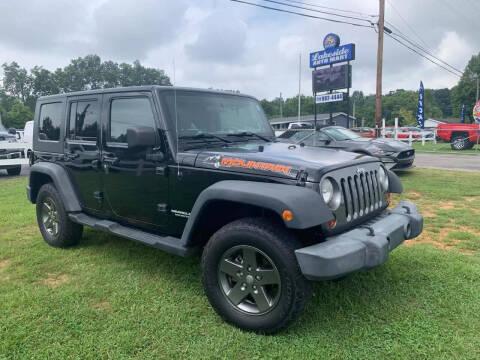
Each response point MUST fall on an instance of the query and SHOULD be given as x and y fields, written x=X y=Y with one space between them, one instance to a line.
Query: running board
x=169 y=244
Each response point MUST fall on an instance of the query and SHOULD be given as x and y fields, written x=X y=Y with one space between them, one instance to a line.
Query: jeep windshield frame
x=219 y=115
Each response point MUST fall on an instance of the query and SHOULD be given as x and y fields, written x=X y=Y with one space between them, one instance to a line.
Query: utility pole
x=378 y=105
x=299 y=83
x=281 y=110
x=477 y=85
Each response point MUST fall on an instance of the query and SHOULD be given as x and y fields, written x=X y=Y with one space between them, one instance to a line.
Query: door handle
x=71 y=155
x=110 y=160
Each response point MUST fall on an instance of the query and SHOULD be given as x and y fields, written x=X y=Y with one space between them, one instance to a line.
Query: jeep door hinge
x=163 y=208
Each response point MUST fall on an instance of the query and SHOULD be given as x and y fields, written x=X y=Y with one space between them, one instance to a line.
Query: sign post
x=327 y=79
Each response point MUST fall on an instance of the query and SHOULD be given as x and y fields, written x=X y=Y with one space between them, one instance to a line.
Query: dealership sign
x=332 y=55
x=326 y=98
x=476 y=112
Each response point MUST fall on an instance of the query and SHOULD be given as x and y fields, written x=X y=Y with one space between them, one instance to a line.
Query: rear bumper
x=364 y=247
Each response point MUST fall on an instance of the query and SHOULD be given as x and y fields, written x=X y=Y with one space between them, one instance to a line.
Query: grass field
x=111 y=298
x=442 y=148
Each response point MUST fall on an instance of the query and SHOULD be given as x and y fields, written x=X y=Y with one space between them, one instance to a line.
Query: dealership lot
x=113 y=298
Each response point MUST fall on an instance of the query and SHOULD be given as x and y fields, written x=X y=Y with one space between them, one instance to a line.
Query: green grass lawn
x=111 y=298
x=442 y=148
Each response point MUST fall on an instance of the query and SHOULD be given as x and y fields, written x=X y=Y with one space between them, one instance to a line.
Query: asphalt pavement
x=448 y=161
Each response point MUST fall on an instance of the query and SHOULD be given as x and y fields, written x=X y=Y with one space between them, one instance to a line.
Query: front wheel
x=251 y=276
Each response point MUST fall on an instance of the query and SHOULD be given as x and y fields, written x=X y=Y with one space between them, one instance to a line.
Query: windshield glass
x=211 y=113
x=340 y=134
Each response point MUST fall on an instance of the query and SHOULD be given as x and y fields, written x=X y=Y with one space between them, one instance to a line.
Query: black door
x=135 y=185
x=82 y=151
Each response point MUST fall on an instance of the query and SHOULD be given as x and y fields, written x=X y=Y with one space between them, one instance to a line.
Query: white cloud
x=220 y=44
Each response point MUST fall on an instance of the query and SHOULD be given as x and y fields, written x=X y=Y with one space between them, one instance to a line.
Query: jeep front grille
x=361 y=194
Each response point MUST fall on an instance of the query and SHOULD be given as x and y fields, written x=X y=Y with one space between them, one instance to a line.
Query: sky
x=227 y=45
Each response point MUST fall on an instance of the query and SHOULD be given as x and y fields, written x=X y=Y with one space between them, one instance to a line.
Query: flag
x=463 y=114
x=420 y=109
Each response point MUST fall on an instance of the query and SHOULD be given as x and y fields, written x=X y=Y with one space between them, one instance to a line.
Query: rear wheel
x=56 y=228
x=251 y=276
x=460 y=142
x=14 y=171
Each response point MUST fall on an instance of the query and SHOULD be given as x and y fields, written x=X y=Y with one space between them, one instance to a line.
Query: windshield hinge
x=302 y=178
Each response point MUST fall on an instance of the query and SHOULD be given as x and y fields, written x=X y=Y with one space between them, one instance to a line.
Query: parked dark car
x=186 y=170
x=396 y=155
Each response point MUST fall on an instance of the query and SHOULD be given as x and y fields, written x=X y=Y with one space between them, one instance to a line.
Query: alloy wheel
x=50 y=216
x=249 y=279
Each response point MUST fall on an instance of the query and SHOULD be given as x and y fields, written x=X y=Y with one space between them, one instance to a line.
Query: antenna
x=176 y=116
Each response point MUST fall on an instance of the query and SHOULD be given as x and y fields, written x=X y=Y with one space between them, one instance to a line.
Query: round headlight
x=383 y=178
x=327 y=190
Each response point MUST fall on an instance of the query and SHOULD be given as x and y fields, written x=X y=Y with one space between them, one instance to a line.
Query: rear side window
x=126 y=113
x=50 y=121
x=83 y=120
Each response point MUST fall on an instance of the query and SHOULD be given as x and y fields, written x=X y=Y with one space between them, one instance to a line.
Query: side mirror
x=327 y=142
x=140 y=136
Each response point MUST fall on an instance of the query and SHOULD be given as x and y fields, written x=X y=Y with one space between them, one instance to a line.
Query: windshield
x=210 y=113
x=340 y=134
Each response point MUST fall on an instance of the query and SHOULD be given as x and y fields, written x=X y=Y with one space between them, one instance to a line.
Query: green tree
x=16 y=81
x=465 y=91
x=17 y=116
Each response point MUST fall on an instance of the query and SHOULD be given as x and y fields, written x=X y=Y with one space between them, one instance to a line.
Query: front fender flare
x=394 y=183
x=307 y=205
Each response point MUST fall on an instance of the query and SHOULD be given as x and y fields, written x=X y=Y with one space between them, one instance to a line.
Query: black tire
x=275 y=245
x=460 y=142
x=15 y=171
x=65 y=233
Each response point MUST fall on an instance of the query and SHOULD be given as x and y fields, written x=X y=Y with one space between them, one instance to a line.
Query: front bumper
x=365 y=247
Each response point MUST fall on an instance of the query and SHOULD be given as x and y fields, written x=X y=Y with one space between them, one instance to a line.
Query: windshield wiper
x=249 y=133
x=204 y=136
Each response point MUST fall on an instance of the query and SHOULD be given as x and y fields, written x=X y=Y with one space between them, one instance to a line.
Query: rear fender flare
x=60 y=179
x=306 y=205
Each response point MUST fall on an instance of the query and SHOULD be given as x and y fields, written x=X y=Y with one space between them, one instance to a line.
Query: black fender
x=61 y=180
x=306 y=205
x=394 y=183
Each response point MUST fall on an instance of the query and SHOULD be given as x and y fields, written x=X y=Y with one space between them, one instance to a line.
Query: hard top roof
x=139 y=88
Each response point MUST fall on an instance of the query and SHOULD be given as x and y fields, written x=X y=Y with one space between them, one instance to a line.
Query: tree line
x=21 y=88
x=401 y=104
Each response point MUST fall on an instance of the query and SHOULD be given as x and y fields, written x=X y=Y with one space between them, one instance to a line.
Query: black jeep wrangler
x=186 y=170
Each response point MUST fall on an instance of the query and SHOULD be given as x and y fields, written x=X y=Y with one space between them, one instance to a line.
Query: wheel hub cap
x=249 y=279
x=50 y=217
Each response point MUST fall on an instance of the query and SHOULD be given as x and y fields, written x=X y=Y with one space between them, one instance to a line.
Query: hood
x=278 y=159
x=384 y=144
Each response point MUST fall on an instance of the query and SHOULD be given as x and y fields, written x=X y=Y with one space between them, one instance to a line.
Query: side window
x=83 y=120
x=50 y=121
x=128 y=112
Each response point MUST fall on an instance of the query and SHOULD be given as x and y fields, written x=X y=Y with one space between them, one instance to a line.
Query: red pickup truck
x=460 y=136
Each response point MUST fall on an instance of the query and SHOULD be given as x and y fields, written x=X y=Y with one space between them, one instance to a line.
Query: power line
x=418 y=53
x=406 y=23
x=426 y=51
x=330 y=8
x=418 y=49
x=302 y=14
x=319 y=11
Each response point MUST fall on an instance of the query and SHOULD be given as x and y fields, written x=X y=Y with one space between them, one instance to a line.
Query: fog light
x=287 y=215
